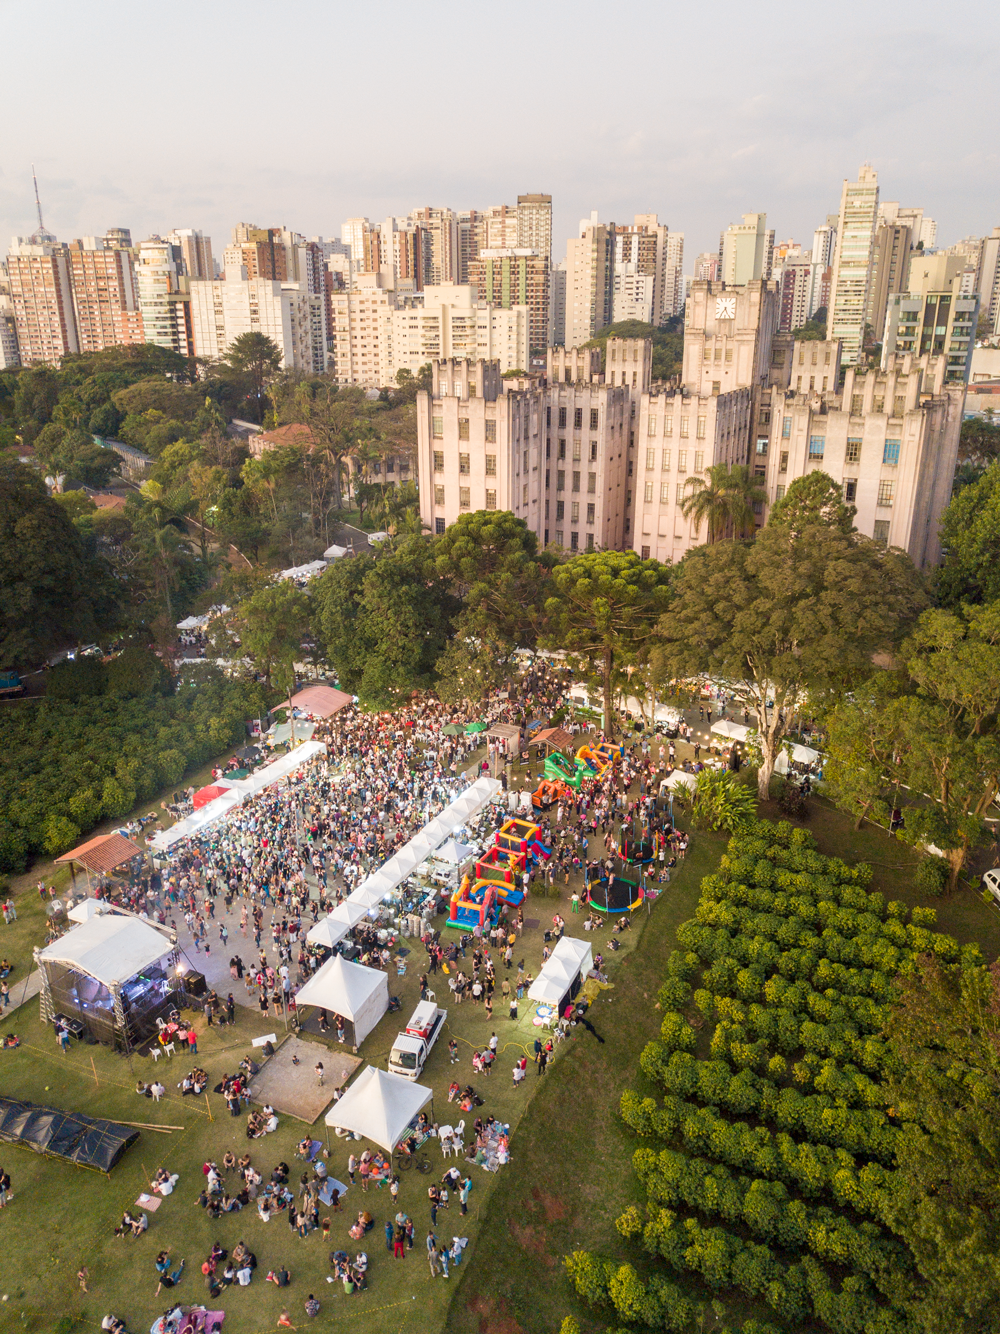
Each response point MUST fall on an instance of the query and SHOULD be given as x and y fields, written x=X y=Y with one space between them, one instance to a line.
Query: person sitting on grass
x=279 y=1277
x=169 y=1280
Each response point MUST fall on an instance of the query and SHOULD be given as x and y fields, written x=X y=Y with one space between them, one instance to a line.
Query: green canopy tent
x=472 y=728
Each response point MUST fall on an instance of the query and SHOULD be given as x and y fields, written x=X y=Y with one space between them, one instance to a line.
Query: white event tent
x=359 y=995
x=735 y=731
x=570 y=960
x=800 y=754
x=86 y=909
x=680 y=778
x=379 y=1106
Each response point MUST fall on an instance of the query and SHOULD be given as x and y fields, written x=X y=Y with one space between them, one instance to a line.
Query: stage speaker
x=195 y=984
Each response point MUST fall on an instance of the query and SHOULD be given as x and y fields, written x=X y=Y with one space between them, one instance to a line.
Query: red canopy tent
x=207 y=794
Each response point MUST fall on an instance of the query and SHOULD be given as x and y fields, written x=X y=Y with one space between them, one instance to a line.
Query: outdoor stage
x=293 y=1090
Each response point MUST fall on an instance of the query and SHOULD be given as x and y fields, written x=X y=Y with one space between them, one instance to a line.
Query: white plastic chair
x=155 y=1053
x=169 y=1049
x=460 y=1129
x=446 y=1148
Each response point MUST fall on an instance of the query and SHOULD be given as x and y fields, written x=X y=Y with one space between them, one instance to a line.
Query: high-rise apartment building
x=41 y=295
x=640 y=273
x=935 y=317
x=498 y=228
x=534 y=224
x=259 y=250
x=223 y=309
x=440 y=244
x=164 y=299
x=673 y=277
x=195 y=250
x=506 y=278
x=706 y=266
x=105 y=296
x=850 y=286
x=745 y=250
x=890 y=270
x=590 y=269
x=988 y=278
x=10 y=355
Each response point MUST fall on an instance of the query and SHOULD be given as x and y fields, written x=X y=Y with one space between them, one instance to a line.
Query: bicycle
x=418 y=1160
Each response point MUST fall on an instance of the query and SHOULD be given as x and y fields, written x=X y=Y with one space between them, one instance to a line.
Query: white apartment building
x=379 y=331
x=745 y=250
x=163 y=295
x=222 y=310
x=850 y=284
x=10 y=356
x=590 y=260
x=196 y=251
x=557 y=455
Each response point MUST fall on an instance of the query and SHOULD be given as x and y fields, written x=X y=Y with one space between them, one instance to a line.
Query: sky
x=305 y=113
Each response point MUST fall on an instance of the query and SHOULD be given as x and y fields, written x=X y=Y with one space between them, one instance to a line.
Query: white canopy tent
x=86 y=909
x=327 y=932
x=360 y=995
x=192 y=623
x=279 y=768
x=379 y=1106
x=570 y=959
x=800 y=754
x=680 y=778
x=308 y=571
x=282 y=732
x=735 y=731
x=454 y=852
x=334 y=552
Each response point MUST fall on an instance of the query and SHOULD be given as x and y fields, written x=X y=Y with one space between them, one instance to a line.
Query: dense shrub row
x=72 y=762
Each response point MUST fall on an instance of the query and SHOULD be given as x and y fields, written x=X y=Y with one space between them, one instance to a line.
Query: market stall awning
x=104 y=853
x=505 y=732
x=282 y=732
x=379 y=1106
x=570 y=959
x=206 y=794
x=321 y=701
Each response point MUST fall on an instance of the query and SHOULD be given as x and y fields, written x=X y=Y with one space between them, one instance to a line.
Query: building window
x=491 y=499
x=762 y=446
x=562 y=449
x=853 y=452
x=574 y=512
x=700 y=429
x=463 y=464
x=645 y=553
x=574 y=541
x=591 y=483
x=786 y=428
x=524 y=495
x=562 y=419
x=546 y=509
x=682 y=460
x=491 y=432
x=463 y=498
x=680 y=492
x=578 y=419
x=668 y=425
x=783 y=461
x=437 y=427
x=699 y=461
x=593 y=451
x=651 y=430
x=576 y=481
x=881 y=533
x=491 y=465
x=817 y=444
x=890 y=454
x=560 y=480
x=439 y=526
x=729 y=354
x=886 y=491
x=850 y=489
x=439 y=460
x=560 y=510
x=463 y=428
x=898 y=405
x=664 y=493
x=716 y=386
x=665 y=462
x=559 y=537
x=684 y=427
x=576 y=451
x=593 y=419
x=590 y=541
x=439 y=495
x=650 y=458
x=591 y=509
x=548 y=416
x=647 y=493
x=857 y=404
x=779 y=491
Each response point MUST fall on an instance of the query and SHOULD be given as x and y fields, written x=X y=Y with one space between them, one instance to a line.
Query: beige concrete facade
x=223 y=310
x=850 y=283
x=105 y=298
x=41 y=294
x=515 y=277
x=590 y=259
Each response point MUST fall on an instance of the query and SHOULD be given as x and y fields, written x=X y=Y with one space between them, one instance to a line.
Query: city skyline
x=699 y=136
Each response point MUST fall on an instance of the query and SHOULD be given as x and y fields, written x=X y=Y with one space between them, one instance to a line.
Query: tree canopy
x=970 y=537
x=787 y=613
x=724 y=500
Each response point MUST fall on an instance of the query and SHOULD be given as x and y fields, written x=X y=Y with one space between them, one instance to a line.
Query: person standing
x=432 y=1254
x=388 y=1236
x=319 y=1073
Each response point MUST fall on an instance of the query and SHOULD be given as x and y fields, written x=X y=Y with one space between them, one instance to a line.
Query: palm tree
x=725 y=500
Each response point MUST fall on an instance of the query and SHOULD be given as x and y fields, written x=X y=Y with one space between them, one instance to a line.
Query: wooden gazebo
x=553 y=738
x=101 y=855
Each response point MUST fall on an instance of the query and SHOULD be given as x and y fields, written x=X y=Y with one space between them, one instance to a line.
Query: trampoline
x=636 y=851
x=614 y=895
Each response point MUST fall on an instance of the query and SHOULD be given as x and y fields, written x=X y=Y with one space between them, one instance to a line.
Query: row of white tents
x=237 y=791
x=737 y=732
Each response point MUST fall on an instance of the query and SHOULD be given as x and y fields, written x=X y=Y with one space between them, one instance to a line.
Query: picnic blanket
x=328 y=1187
x=188 y=1320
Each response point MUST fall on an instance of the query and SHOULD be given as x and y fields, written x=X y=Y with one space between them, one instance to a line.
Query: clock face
x=725 y=308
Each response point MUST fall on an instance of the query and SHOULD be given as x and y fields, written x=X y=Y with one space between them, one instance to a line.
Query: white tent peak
x=379 y=1106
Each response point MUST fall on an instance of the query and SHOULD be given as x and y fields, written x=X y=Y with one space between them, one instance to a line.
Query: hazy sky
x=304 y=113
